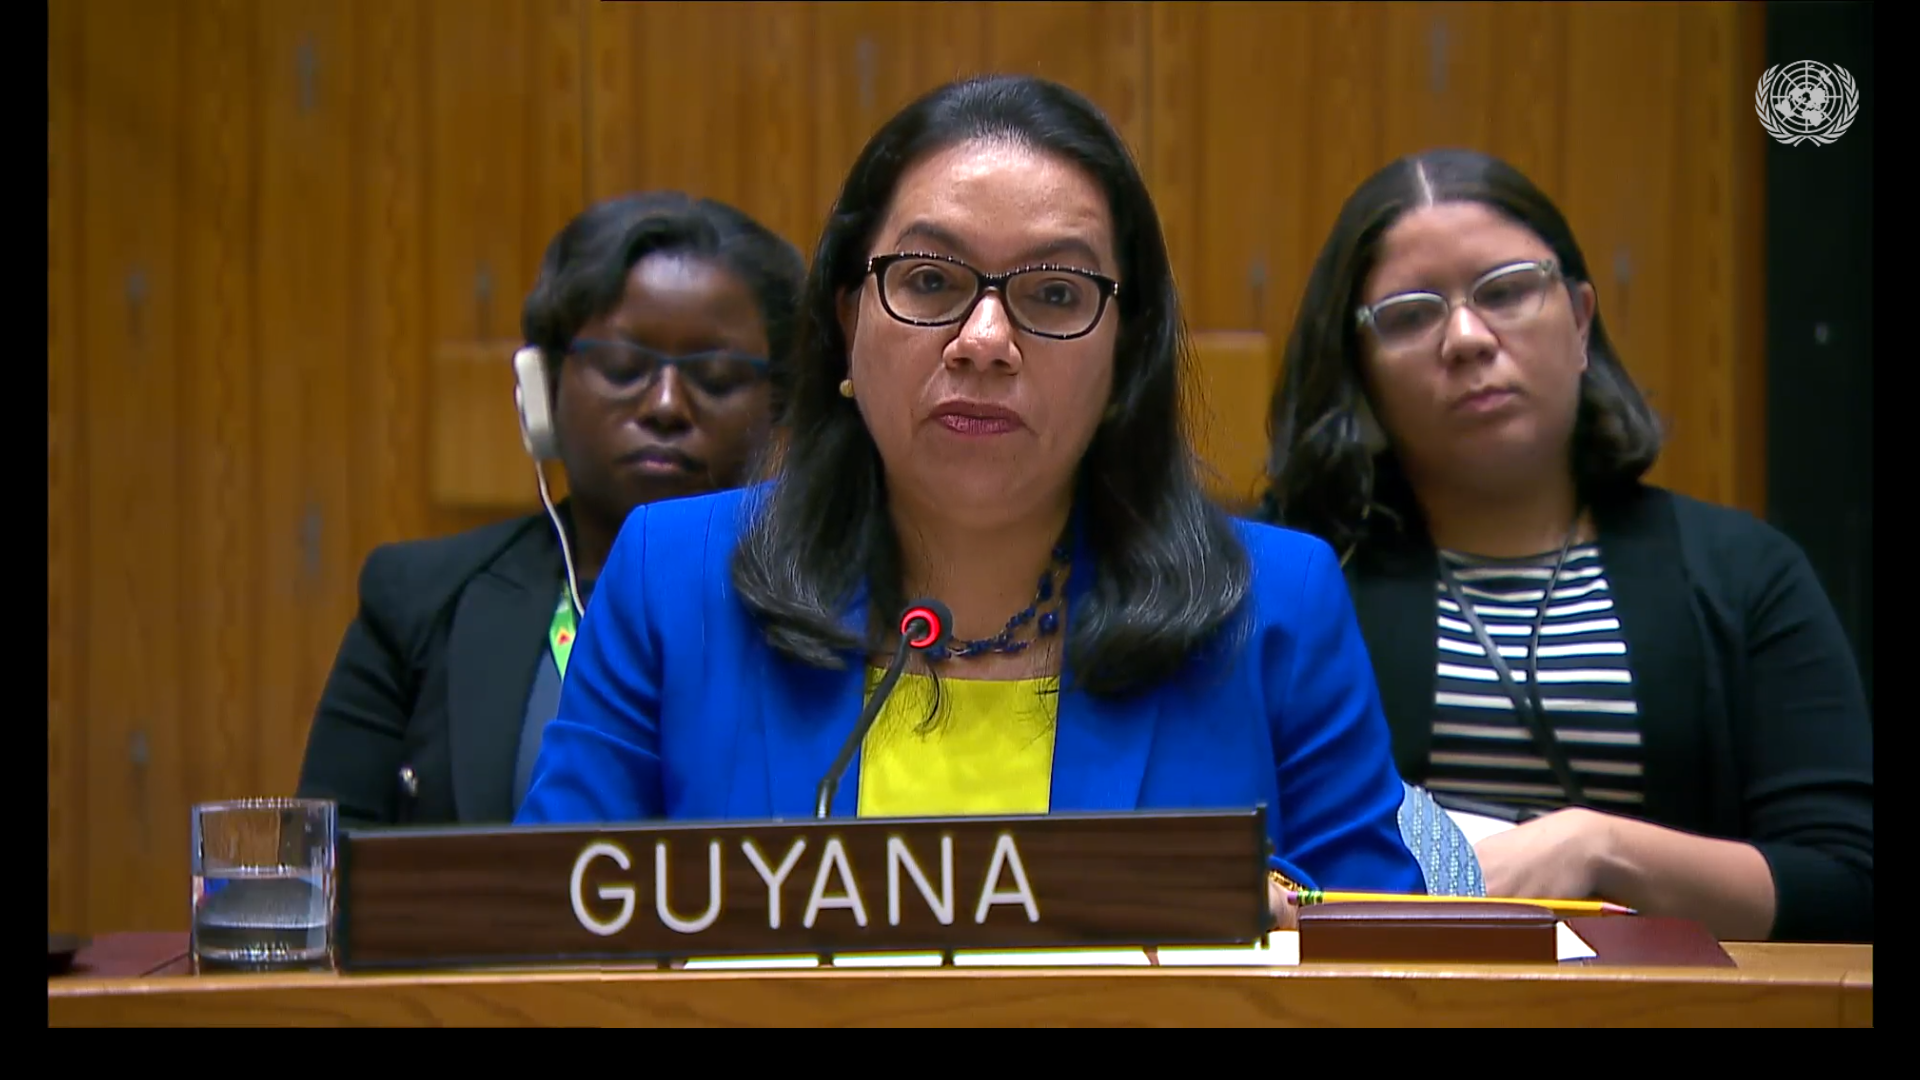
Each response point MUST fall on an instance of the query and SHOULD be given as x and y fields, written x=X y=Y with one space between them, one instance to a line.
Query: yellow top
x=989 y=751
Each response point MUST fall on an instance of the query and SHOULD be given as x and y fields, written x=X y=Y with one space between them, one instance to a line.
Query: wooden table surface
x=1770 y=986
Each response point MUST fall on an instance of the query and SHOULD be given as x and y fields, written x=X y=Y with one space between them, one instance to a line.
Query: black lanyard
x=1528 y=705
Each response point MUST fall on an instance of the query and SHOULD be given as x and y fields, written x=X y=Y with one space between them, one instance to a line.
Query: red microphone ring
x=933 y=627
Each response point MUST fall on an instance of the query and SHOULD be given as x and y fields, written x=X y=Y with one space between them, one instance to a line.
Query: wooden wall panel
x=1529 y=100
x=265 y=221
x=250 y=248
x=765 y=105
x=693 y=98
x=1618 y=191
x=1099 y=49
x=1266 y=116
x=1718 y=350
x=505 y=169
x=67 y=835
x=1225 y=175
x=507 y=128
x=390 y=66
x=304 y=494
x=1440 y=75
x=473 y=432
x=219 y=429
x=129 y=275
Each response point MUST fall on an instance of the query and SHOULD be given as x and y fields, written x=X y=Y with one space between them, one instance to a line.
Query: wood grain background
x=288 y=241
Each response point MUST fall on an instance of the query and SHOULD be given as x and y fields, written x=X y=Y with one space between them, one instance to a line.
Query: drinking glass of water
x=263 y=884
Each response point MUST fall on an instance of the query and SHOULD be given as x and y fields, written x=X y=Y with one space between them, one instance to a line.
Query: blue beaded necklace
x=1003 y=641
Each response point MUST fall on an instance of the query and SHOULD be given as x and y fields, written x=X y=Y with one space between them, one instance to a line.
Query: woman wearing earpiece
x=1657 y=685
x=656 y=333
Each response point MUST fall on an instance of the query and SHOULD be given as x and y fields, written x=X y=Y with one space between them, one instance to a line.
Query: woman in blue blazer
x=986 y=394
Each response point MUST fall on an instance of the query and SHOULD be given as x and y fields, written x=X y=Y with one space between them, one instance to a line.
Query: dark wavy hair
x=1171 y=570
x=1322 y=478
x=584 y=272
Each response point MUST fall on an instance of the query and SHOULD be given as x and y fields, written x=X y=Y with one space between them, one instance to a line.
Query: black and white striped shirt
x=1481 y=748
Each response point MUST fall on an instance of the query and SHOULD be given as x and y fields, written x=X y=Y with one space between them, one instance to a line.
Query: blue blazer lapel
x=809 y=713
x=1100 y=751
x=1100 y=746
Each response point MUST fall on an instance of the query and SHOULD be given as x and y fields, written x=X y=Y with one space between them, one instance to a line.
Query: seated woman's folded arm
x=1804 y=872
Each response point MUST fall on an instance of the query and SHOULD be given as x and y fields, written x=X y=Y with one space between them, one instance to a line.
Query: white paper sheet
x=1010 y=958
x=1054 y=958
x=1478 y=826
x=752 y=963
x=1281 y=949
x=888 y=960
x=1572 y=945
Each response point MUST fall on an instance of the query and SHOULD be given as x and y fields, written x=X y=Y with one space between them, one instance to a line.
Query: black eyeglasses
x=1059 y=302
x=628 y=367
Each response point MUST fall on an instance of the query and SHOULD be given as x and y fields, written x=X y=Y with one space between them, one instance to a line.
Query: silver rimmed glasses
x=1503 y=298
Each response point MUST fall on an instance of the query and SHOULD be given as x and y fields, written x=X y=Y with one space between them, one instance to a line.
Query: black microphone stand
x=922 y=626
x=830 y=783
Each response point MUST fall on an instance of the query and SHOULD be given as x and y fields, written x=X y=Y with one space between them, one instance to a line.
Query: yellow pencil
x=1564 y=907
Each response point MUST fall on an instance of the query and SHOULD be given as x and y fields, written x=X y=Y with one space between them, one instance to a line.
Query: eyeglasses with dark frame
x=1503 y=297
x=1075 y=305
x=628 y=367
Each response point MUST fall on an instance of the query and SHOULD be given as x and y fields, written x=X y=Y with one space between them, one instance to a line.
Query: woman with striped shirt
x=1655 y=688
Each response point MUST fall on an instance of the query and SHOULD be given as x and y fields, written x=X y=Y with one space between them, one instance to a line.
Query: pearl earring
x=846 y=388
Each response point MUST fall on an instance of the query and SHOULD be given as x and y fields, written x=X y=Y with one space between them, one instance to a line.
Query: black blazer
x=1753 y=720
x=433 y=675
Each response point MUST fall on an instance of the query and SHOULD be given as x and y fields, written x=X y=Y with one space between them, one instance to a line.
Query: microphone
x=924 y=624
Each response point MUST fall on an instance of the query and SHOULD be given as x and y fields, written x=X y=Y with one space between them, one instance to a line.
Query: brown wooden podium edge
x=1856 y=999
x=591 y=973
x=967 y=997
x=1838 y=994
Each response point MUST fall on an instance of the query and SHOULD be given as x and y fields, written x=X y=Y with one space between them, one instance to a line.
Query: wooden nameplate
x=567 y=894
x=1411 y=932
